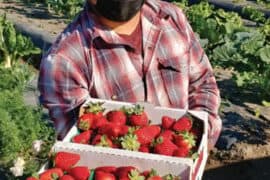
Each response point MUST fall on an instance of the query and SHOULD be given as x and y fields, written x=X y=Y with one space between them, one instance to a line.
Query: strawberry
x=164 y=147
x=123 y=171
x=102 y=140
x=134 y=174
x=137 y=117
x=184 y=140
x=65 y=160
x=130 y=142
x=148 y=174
x=51 y=174
x=66 y=177
x=182 y=124
x=113 y=130
x=95 y=112
x=167 y=122
x=98 y=122
x=147 y=134
x=117 y=117
x=82 y=138
x=31 y=178
x=95 y=108
x=79 y=172
x=155 y=178
x=181 y=152
x=167 y=134
x=144 y=148
x=100 y=175
x=107 y=169
x=85 y=121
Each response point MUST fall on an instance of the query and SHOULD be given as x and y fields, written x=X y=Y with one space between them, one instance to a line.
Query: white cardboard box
x=93 y=156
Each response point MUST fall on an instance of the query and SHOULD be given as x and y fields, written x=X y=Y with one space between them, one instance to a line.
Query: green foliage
x=68 y=8
x=253 y=14
x=230 y=44
x=16 y=77
x=20 y=125
x=13 y=45
x=212 y=24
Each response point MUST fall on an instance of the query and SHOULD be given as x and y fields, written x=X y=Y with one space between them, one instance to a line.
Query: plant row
x=230 y=44
x=25 y=138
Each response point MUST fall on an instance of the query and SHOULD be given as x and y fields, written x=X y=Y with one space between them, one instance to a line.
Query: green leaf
x=264 y=54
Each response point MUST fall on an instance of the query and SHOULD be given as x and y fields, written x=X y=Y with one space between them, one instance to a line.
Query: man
x=128 y=50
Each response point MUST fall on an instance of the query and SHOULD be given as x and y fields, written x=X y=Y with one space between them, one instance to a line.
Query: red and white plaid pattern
x=89 y=60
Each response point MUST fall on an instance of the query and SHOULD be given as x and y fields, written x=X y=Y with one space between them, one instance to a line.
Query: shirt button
x=114 y=97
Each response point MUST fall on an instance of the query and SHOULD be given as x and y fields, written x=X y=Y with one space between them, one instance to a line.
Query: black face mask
x=118 y=10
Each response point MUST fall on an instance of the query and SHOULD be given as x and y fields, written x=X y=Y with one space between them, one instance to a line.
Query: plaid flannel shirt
x=175 y=71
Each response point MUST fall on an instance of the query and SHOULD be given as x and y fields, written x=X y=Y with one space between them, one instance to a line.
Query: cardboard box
x=94 y=156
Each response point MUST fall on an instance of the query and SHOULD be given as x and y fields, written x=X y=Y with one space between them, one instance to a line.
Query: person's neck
x=125 y=28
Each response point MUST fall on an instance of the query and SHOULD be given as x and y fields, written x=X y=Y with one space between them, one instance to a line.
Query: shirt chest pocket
x=174 y=74
x=173 y=64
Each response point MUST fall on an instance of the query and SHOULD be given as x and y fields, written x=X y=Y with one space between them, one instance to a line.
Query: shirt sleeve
x=63 y=85
x=203 y=91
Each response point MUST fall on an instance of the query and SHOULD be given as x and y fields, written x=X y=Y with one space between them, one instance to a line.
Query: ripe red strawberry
x=85 y=121
x=138 y=117
x=79 y=172
x=147 y=134
x=67 y=177
x=183 y=124
x=100 y=175
x=102 y=140
x=167 y=122
x=31 y=178
x=164 y=147
x=117 y=117
x=65 y=160
x=148 y=174
x=95 y=111
x=123 y=171
x=82 y=138
x=144 y=148
x=167 y=134
x=51 y=174
x=98 y=122
x=107 y=169
x=155 y=178
x=112 y=130
x=184 y=140
x=181 y=152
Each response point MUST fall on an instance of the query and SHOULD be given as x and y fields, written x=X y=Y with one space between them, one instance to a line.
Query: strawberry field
x=236 y=40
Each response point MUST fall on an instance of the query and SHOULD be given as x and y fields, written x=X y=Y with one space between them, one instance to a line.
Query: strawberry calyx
x=94 y=107
x=104 y=141
x=130 y=142
x=188 y=139
x=135 y=175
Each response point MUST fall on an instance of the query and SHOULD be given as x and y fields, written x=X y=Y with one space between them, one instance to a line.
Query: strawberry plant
x=13 y=45
x=65 y=7
x=25 y=138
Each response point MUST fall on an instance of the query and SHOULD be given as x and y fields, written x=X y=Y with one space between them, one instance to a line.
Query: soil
x=243 y=150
